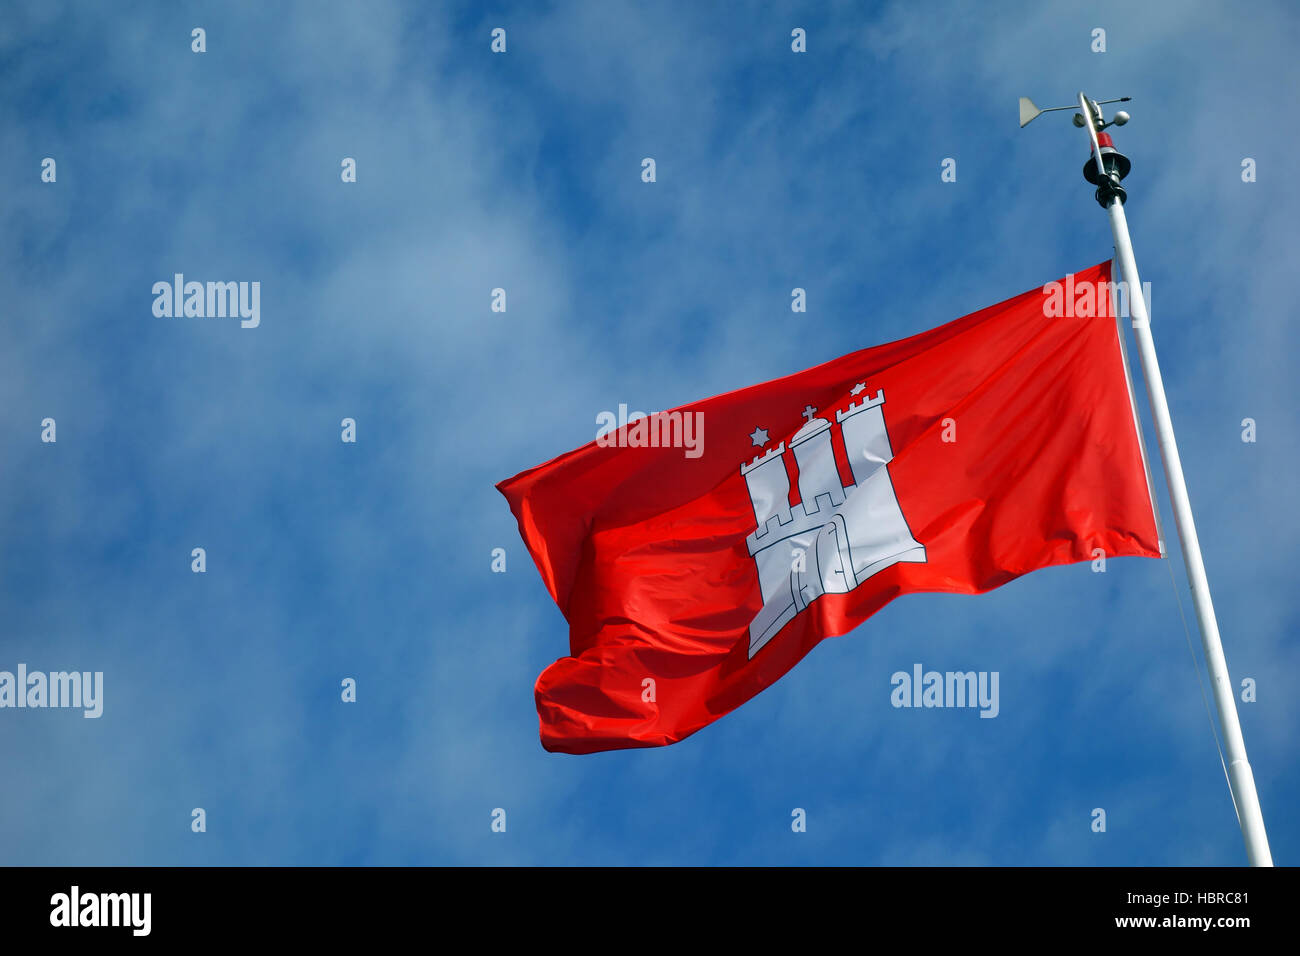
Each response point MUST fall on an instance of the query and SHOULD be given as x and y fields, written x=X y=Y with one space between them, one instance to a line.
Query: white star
x=856 y=389
x=759 y=438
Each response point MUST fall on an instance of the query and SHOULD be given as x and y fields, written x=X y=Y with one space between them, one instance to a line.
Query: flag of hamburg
x=954 y=460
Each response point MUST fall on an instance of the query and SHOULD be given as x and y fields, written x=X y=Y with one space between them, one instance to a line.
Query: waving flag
x=698 y=554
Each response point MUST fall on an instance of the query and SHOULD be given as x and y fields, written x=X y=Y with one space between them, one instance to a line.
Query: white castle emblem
x=839 y=535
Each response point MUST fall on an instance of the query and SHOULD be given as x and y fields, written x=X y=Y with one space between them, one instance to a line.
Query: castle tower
x=818 y=475
x=865 y=440
x=769 y=487
x=876 y=529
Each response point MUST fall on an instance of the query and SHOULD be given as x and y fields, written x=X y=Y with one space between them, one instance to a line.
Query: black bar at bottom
x=363 y=904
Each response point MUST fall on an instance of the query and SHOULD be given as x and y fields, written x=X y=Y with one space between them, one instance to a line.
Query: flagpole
x=1106 y=168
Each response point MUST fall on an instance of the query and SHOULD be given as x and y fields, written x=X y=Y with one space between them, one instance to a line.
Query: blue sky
x=522 y=171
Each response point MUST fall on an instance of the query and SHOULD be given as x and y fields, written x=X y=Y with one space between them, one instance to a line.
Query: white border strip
x=1132 y=400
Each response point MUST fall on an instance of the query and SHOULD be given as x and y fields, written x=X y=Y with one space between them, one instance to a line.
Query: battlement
x=776 y=452
x=776 y=528
x=798 y=521
x=861 y=406
x=810 y=517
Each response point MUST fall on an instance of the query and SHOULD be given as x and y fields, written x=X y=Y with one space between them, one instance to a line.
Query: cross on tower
x=809 y=412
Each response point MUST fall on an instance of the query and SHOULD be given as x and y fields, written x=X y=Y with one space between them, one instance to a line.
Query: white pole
x=1241 y=780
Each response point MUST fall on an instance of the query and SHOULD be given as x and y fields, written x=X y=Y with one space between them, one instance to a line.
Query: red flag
x=698 y=554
